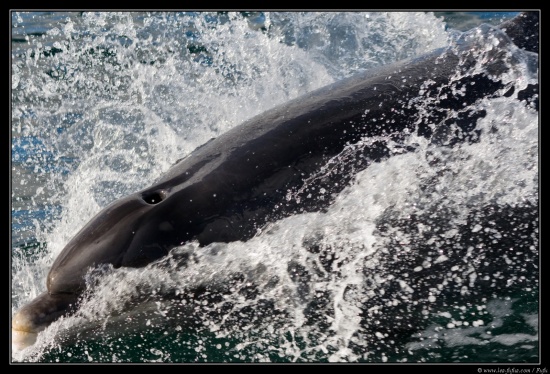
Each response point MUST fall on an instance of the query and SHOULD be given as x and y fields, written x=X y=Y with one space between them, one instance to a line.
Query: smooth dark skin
x=236 y=183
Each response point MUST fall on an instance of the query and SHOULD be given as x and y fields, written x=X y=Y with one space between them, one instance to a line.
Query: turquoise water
x=103 y=103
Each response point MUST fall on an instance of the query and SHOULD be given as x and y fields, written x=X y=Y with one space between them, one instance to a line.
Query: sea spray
x=113 y=99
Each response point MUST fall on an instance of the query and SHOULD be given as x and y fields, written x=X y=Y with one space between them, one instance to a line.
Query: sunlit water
x=104 y=103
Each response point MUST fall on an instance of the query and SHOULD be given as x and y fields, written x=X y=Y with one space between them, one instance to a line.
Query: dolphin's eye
x=154 y=197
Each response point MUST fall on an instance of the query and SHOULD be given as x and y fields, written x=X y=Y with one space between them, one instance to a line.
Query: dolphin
x=264 y=169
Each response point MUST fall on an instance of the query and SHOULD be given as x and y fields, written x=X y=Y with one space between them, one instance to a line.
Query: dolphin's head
x=133 y=231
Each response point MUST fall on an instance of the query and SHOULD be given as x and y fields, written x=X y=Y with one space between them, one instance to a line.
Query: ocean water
x=430 y=256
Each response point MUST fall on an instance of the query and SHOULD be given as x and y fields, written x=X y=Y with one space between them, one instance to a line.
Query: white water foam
x=138 y=119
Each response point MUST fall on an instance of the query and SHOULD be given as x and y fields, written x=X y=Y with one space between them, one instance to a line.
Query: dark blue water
x=103 y=103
